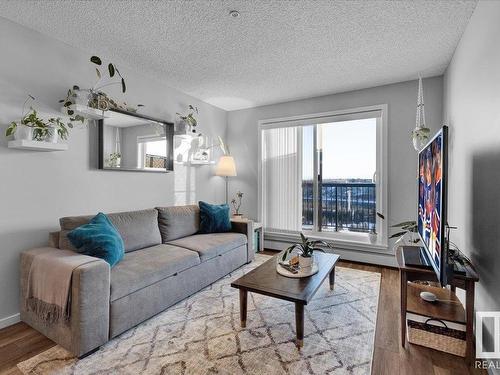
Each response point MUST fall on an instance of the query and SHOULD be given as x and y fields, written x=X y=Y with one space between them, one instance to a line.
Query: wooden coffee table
x=265 y=280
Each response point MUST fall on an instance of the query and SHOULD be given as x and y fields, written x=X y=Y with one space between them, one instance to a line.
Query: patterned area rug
x=202 y=335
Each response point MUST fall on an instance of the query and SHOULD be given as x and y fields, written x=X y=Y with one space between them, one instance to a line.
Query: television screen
x=432 y=201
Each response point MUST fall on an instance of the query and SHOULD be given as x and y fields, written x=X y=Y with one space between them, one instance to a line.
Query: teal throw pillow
x=99 y=238
x=214 y=218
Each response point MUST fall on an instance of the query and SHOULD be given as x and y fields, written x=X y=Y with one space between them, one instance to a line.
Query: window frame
x=359 y=241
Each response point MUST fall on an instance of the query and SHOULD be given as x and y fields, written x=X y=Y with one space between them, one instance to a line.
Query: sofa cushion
x=145 y=267
x=214 y=218
x=138 y=229
x=178 y=221
x=99 y=238
x=136 y=307
x=210 y=245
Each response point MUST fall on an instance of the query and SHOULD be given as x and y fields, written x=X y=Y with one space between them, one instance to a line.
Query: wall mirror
x=132 y=142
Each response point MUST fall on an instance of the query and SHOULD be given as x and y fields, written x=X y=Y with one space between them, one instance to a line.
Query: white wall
x=38 y=188
x=401 y=98
x=472 y=109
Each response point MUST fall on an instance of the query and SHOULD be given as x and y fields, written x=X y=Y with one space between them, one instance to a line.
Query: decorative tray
x=284 y=268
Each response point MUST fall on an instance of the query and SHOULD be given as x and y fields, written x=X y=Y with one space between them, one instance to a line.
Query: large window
x=323 y=174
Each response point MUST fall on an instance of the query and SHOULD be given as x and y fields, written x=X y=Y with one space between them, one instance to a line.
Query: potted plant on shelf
x=189 y=119
x=306 y=250
x=406 y=236
x=236 y=203
x=40 y=129
x=24 y=128
x=94 y=97
x=57 y=129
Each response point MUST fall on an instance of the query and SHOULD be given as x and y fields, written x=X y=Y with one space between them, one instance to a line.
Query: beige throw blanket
x=49 y=283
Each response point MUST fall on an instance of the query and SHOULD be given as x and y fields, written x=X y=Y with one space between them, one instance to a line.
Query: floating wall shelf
x=23 y=144
x=200 y=162
x=194 y=162
x=85 y=111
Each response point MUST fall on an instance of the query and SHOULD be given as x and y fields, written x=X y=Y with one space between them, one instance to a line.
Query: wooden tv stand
x=455 y=312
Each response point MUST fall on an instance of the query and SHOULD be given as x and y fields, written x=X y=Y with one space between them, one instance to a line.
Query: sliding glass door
x=320 y=176
x=346 y=171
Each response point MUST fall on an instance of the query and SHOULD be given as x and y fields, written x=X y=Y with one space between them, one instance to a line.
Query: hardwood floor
x=20 y=342
x=388 y=356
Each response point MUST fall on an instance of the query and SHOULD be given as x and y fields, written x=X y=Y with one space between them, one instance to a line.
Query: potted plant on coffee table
x=306 y=250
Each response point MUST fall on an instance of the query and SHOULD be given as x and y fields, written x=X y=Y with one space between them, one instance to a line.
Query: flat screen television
x=432 y=202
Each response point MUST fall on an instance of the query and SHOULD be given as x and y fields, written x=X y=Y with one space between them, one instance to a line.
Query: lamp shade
x=225 y=167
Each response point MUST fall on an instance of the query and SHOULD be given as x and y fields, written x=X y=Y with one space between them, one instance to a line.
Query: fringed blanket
x=49 y=284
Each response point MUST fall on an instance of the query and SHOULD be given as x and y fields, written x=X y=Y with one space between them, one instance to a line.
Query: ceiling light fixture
x=234 y=13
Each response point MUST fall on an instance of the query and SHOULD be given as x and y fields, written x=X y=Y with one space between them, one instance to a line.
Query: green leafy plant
x=68 y=101
x=45 y=128
x=190 y=117
x=422 y=134
x=11 y=129
x=56 y=124
x=112 y=69
x=406 y=228
x=236 y=202
x=96 y=98
x=306 y=248
x=41 y=128
x=113 y=159
x=31 y=120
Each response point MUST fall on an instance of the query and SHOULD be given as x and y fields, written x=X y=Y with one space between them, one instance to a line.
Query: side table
x=257 y=228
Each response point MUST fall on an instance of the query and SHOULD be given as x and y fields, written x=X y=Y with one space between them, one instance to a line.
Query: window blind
x=281 y=179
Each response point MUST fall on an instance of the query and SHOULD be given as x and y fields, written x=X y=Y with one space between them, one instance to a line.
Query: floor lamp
x=226 y=168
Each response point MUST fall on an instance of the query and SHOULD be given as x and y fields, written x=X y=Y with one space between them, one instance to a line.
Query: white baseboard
x=377 y=258
x=10 y=320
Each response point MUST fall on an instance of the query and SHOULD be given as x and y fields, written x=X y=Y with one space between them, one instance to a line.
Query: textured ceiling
x=275 y=51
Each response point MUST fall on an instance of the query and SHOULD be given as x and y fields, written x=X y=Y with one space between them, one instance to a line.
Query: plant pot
x=23 y=132
x=83 y=97
x=306 y=262
x=52 y=136
x=182 y=128
x=115 y=163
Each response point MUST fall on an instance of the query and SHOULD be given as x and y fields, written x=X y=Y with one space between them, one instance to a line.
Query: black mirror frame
x=169 y=134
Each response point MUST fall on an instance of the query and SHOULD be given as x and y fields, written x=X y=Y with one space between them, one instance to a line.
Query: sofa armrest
x=88 y=326
x=246 y=228
x=54 y=239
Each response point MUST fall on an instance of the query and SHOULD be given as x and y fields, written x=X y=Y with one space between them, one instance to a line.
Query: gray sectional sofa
x=165 y=261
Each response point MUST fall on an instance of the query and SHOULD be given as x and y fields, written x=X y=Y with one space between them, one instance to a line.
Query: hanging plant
x=420 y=135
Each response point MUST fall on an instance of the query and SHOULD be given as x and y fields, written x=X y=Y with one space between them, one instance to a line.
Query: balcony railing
x=343 y=206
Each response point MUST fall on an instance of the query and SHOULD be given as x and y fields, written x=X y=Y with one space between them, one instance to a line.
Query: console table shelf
x=452 y=311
